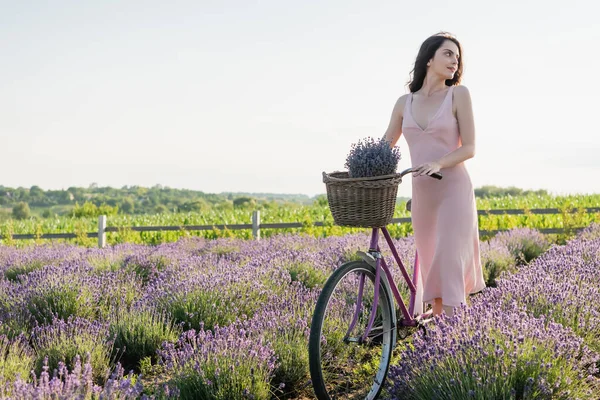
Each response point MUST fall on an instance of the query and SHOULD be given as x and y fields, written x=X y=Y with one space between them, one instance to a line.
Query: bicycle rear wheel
x=342 y=366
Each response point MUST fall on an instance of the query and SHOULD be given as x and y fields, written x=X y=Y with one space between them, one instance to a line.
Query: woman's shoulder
x=462 y=91
x=461 y=99
x=402 y=101
x=399 y=106
x=461 y=96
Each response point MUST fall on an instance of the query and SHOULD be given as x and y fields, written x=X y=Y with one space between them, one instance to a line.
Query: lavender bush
x=75 y=384
x=525 y=244
x=111 y=259
x=139 y=333
x=16 y=358
x=15 y=263
x=59 y=292
x=215 y=298
x=284 y=323
x=117 y=291
x=13 y=272
x=371 y=157
x=307 y=275
x=63 y=341
x=251 y=303
x=12 y=320
x=591 y=232
x=490 y=352
x=226 y=364
x=146 y=266
x=496 y=259
x=564 y=286
x=534 y=336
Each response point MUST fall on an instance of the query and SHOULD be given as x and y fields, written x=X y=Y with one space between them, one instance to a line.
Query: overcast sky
x=262 y=96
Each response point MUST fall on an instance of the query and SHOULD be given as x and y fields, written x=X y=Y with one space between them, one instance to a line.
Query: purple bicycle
x=354 y=326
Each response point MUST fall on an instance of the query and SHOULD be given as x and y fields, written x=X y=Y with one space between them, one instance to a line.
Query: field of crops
x=306 y=215
x=229 y=319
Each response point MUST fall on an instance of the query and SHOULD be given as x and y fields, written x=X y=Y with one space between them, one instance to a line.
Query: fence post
x=101 y=231
x=256 y=225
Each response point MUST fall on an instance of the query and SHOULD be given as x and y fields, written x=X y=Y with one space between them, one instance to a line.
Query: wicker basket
x=361 y=202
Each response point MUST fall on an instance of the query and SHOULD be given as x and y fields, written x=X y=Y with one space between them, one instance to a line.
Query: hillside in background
x=277 y=197
x=132 y=200
x=136 y=200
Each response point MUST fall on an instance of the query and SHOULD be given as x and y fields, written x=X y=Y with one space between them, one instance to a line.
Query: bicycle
x=359 y=334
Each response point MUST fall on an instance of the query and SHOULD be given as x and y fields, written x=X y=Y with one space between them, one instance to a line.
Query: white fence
x=256 y=225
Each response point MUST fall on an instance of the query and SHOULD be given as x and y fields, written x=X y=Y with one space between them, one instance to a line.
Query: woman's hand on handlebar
x=426 y=169
x=436 y=175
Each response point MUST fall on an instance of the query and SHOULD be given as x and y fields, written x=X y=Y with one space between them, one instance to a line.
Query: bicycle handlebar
x=435 y=175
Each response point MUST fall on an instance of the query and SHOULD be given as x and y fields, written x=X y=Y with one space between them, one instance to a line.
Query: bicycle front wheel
x=342 y=365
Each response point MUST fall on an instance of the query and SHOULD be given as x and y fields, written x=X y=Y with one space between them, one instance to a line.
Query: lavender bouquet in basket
x=365 y=196
x=370 y=157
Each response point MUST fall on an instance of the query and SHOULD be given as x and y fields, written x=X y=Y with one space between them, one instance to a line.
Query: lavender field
x=229 y=319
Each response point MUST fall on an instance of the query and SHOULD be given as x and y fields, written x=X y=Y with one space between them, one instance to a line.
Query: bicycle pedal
x=425 y=321
x=405 y=331
x=425 y=315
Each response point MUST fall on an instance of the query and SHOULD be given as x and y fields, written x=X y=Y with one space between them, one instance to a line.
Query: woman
x=437 y=121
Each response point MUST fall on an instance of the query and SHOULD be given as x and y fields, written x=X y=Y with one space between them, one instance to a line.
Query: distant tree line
x=495 y=191
x=94 y=200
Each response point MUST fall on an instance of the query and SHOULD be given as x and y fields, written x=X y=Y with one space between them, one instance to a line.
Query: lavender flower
x=524 y=244
x=488 y=350
x=223 y=364
x=74 y=384
x=16 y=358
x=563 y=286
x=251 y=303
x=63 y=341
x=591 y=232
x=370 y=157
x=535 y=335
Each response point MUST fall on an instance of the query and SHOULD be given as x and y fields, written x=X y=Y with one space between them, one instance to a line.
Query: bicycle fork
x=373 y=258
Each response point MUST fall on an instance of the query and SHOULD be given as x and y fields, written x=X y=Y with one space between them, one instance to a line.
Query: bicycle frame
x=373 y=257
x=374 y=254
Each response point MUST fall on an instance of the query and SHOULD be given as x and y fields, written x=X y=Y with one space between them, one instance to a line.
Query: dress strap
x=450 y=95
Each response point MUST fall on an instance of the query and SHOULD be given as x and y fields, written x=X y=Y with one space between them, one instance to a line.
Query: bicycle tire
x=323 y=389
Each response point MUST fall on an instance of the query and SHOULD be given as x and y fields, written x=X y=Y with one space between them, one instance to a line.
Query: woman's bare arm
x=394 y=130
x=466 y=127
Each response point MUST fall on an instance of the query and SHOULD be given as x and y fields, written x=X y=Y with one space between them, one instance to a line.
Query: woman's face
x=445 y=60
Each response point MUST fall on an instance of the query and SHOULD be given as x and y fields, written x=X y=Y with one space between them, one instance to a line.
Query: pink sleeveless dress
x=444 y=213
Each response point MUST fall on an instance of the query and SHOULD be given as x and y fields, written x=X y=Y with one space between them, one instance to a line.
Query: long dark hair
x=426 y=53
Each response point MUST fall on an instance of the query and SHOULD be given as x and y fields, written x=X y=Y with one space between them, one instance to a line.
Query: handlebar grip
x=436 y=175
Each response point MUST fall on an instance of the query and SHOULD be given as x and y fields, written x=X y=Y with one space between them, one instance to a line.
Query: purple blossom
x=537 y=332
x=250 y=305
x=524 y=244
x=64 y=340
x=74 y=384
x=591 y=232
x=204 y=363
